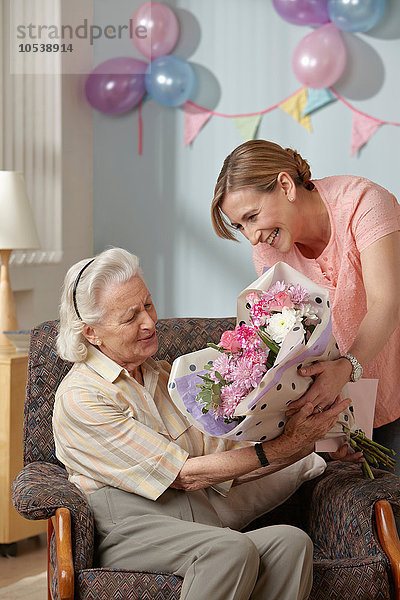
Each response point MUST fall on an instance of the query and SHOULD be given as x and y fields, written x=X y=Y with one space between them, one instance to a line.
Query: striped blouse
x=110 y=430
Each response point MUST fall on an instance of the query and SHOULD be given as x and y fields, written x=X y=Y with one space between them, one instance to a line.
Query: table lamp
x=17 y=232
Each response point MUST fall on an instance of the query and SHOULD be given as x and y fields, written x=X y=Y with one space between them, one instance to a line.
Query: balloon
x=303 y=12
x=154 y=29
x=116 y=85
x=320 y=57
x=170 y=80
x=357 y=15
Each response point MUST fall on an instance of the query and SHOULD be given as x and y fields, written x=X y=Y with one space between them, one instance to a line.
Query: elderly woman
x=146 y=472
x=343 y=233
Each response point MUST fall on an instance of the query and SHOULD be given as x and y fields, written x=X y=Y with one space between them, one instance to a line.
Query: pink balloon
x=154 y=29
x=319 y=58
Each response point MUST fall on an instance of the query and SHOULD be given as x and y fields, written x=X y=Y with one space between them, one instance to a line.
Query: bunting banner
x=299 y=105
x=363 y=128
x=317 y=99
x=248 y=126
x=195 y=119
x=295 y=106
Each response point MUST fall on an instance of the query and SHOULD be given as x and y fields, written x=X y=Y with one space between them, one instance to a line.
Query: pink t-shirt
x=360 y=213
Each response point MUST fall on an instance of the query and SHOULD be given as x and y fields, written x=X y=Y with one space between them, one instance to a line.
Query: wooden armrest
x=61 y=524
x=389 y=540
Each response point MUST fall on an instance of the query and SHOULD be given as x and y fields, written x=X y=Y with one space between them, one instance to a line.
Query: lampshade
x=17 y=226
x=17 y=232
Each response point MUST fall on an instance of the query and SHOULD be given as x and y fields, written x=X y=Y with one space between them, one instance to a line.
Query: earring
x=98 y=342
x=291 y=199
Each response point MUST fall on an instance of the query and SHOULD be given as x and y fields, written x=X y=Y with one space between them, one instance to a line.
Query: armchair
x=336 y=509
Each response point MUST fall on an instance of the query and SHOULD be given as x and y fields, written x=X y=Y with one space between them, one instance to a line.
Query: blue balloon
x=357 y=15
x=170 y=80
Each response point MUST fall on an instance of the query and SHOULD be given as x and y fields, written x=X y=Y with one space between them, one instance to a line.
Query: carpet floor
x=34 y=588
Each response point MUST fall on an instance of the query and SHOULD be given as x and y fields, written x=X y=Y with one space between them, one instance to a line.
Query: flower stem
x=374 y=454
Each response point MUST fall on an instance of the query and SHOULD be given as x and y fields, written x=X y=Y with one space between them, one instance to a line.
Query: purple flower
x=222 y=365
x=298 y=294
x=279 y=286
x=230 y=398
x=247 y=374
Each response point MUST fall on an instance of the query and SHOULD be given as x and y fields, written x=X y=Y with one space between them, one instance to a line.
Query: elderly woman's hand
x=330 y=377
x=306 y=427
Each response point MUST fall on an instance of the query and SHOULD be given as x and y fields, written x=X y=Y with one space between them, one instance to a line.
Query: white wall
x=157 y=205
x=37 y=287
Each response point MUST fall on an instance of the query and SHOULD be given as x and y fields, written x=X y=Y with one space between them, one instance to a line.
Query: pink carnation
x=257 y=357
x=252 y=298
x=248 y=337
x=260 y=313
x=230 y=342
x=279 y=301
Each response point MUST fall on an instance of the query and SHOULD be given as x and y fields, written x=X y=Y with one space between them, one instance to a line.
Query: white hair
x=113 y=266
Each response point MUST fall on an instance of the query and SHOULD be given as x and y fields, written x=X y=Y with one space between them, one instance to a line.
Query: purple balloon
x=116 y=85
x=303 y=12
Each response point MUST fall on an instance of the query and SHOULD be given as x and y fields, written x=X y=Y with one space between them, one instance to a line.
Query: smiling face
x=270 y=218
x=128 y=328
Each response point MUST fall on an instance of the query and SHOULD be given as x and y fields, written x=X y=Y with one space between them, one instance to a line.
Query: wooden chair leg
x=389 y=540
x=61 y=525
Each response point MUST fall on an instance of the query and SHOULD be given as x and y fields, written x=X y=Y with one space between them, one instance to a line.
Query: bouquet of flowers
x=249 y=351
x=299 y=333
x=241 y=388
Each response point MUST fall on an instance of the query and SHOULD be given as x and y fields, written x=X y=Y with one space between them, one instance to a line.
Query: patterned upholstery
x=348 y=560
x=335 y=509
x=40 y=488
x=103 y=584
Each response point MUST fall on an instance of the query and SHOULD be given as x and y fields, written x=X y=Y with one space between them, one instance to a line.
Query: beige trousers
x=181 y=533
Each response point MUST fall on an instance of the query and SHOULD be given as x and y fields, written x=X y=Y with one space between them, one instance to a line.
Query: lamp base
x=8 y=315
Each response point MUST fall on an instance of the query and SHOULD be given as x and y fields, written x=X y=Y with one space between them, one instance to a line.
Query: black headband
x=76 y=285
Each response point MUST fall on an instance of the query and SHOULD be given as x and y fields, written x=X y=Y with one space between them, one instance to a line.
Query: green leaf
x=215 y=347
x=206 y=379
x=220 y=378
x=273 y=346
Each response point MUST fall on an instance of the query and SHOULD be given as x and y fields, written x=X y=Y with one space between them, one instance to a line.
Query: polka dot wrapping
x=264 y=408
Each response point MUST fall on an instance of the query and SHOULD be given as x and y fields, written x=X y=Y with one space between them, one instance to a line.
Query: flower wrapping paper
x=264 y=408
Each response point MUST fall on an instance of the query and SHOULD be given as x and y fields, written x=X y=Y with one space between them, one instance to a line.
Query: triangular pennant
x=247 y=126
x=295 y=105
x=363 y=128
x=317 y=99
x=195 y=119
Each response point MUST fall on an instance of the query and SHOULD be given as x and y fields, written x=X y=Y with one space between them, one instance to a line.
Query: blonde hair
x=255 y=165
x=113 y=266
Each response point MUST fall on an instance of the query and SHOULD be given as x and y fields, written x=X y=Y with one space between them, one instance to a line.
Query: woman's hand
x=330 y=377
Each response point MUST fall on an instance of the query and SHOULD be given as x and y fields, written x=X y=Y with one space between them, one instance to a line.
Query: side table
x=13 y=368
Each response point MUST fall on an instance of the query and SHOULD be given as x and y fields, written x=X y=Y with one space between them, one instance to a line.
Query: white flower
x=306 y=311
x=281 y=323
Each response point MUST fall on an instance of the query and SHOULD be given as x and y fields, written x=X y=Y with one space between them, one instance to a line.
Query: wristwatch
x=357 y=368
